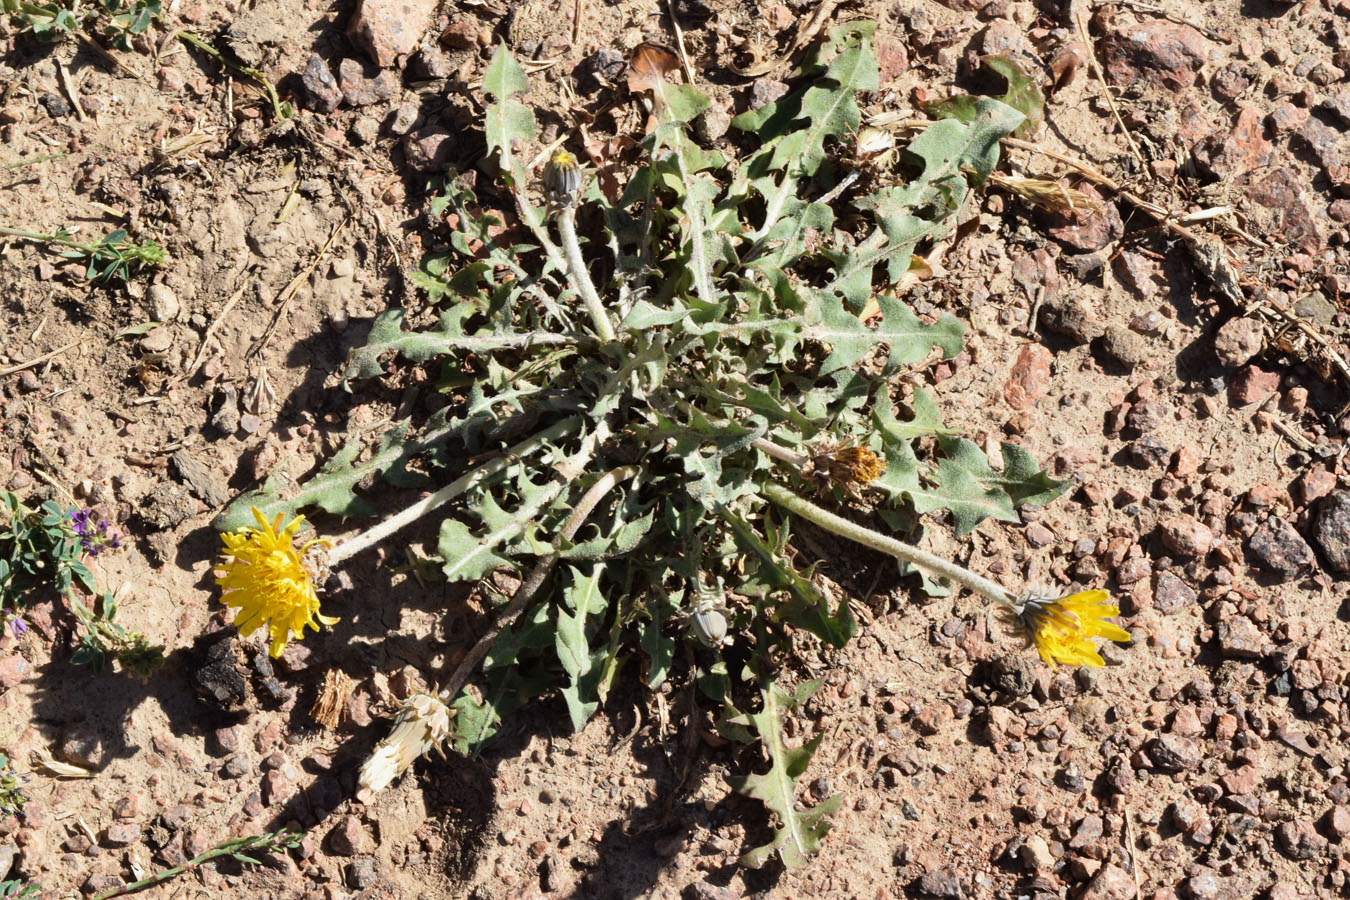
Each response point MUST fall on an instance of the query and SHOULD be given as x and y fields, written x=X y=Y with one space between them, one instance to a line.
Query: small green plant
x=11 y=797
x=118 y=20
x=114 y=257
x=44 y=548
x=652 y=410
x=237 y=849
x=18 y=889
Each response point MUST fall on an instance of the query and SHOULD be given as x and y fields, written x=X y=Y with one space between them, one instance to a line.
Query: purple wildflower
x=93 y=538
x=16 y=624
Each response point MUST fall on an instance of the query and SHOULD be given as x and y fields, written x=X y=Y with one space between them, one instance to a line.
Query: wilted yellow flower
x=423 y=724
x=267 y=580
x=848 y=467
x=1063 y=628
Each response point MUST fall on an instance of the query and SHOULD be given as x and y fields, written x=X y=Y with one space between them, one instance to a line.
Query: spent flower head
x=269 y=581
x=850 y=468
x=422 y=725
x=1062 y=628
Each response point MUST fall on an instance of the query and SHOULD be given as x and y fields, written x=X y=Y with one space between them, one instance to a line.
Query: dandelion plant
x=654 y=386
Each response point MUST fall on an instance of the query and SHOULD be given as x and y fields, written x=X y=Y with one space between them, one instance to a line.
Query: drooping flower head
x=1062 y=628
x=423 y=724
x=269 y=581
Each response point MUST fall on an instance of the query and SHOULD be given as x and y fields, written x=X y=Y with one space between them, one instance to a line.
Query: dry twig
x=37 y=361
x=679 y=43
x=1083 y=35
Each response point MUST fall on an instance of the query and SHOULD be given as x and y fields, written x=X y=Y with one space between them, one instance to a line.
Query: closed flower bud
x=562 y=178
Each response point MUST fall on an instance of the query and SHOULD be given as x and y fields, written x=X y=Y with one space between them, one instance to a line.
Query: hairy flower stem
x=534 y=581
x=781 y=453
x=474 y=476
x=785 y=498
x=581 y=278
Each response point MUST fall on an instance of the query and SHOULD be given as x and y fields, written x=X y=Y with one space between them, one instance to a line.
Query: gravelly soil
x=1204 y=429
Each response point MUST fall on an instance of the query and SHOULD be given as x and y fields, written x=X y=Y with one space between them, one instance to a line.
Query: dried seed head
x=1045 y=193
x=331 y=707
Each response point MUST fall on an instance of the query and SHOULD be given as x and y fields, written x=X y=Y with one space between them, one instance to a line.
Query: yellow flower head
x=1063 y=628
x=267 y=580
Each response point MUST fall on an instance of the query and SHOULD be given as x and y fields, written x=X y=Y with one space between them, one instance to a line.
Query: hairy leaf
x=507 y=120
x=909 y=339
x=1022 y=95
x=798 y=833
x=808 y=607
x=830 y=109
x=469 y=556
x=583 y=603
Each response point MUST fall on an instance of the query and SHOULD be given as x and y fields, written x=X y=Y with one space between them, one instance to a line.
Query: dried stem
x=781 y=453
x=1086 y=38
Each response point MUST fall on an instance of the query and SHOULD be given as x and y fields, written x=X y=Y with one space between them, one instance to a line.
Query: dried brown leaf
x=650 y=65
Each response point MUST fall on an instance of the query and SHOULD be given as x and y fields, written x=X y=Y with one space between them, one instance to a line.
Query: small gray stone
x=57 y=106
x=388 y=29
x=430 y=63
x=319 y=83
x=237 y=766
x=203 y=482
x=121 y=835
x=1281 y=549
x=428 y=149
x=363 y=84
x=1110 y=883
x=83 y=747
x=164 y=305
x=942 y=883
x=1036 y=854
x=1171 y=594
x=362 y=873
x=158 y=341
x=1070 y=315
x=1238 y=341
x=605 y=66
x=766 y=91
x=712 y=124
x=1174 y=753
x=402 y=120
x=1331 y=531
x=1300 y=840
